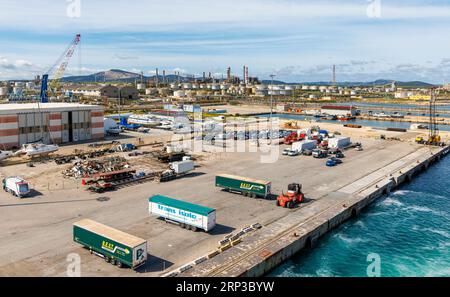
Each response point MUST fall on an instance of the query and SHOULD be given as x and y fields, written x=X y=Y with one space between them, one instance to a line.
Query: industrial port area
x=227 y=172
x=263 y=186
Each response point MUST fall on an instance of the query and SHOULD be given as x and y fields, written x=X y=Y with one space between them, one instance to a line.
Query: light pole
x=271 y=96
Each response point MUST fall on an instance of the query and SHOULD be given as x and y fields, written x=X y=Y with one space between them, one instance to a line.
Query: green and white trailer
x=244 y=185
x=116 y=247
x=187 y=215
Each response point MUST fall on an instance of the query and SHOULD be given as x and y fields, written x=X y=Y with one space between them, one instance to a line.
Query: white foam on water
x=402 y=193
x=351 y=240
x=443 y=233
x=391 y=201
x=360 y=223
x=417 y=208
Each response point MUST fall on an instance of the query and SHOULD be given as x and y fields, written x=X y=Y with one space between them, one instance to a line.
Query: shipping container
x=246 y=186
x=114 y=246
x=301 y=146
x=183 y=166
x=339 y=142
x=187 y=215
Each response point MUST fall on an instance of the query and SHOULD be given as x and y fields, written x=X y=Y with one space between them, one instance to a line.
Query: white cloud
x=150 y=15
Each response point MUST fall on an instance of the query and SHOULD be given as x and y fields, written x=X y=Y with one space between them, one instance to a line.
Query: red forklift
x=292 y=198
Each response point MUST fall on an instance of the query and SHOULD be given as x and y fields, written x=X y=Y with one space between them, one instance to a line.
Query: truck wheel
x=107 y=259
x=182 y=225
x=119 y=264
x=253 y=196
x=194 y=229
x=288 y=205
x=114 y=262
x=278 y=203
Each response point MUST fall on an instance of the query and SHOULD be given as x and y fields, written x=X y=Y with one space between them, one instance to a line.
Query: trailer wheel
x=194 y=229
x=288 y=205
x=253 y=196
x=119 y=264
x=114 y=262
x=278 y=202
x=182 y=225
x=107 y=259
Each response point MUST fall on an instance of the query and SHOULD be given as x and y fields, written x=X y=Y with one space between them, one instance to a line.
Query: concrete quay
x=274 y=243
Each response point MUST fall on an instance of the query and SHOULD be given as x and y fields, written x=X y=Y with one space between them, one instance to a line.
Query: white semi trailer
x=187 y=215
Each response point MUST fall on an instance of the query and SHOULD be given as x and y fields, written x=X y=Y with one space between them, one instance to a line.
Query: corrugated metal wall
x=30 y=128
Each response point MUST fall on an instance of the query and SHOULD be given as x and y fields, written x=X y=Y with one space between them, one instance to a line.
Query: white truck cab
x=16 y=186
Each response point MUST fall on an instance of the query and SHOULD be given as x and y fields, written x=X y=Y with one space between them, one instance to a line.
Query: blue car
x=331 y=163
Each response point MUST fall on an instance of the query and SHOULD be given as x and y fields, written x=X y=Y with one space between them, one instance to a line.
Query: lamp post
x=271 y=96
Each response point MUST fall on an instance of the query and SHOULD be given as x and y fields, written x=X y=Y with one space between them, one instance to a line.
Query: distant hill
x=378 y=82
x=117 y=75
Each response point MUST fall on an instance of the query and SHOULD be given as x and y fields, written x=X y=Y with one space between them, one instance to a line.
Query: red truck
x=294 y=137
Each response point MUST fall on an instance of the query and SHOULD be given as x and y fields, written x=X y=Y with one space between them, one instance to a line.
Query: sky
x=296 y=40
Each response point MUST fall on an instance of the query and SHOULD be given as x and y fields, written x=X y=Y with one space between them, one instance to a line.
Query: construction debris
x=88 y=168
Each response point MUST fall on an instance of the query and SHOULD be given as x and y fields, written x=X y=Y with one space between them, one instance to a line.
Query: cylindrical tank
x=140 y=86
x=151 y=91
x=187 y=86
x=164 y=91
x=179 y=93
x=17 y=90
x=3 y=91
x=19 y=84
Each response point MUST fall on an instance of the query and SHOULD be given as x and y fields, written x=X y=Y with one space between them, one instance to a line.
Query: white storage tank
x=179 y=94
x=17 y=90
x=187 y=86
x=151 y=91
x=3 y=91
x=140 y=86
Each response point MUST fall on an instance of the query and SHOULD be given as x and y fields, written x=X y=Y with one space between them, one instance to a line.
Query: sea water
x=406 y=234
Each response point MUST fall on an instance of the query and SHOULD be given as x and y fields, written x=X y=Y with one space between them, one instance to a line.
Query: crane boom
x=60 y=65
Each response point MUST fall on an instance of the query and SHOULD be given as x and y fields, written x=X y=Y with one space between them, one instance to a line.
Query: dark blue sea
x=408 y=231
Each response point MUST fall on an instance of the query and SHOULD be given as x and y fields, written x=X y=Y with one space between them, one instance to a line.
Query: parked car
x=340 y=155
x=336 y=160
x=293 y=153
x=330 y=163
x=358 y=148
x=307 y=152
x=286 y=152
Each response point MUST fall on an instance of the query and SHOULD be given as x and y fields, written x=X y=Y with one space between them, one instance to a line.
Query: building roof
x=198 y=209
x=338 y=107
x=45 y=107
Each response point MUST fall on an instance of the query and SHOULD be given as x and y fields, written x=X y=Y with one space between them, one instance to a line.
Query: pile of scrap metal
x=88 y=168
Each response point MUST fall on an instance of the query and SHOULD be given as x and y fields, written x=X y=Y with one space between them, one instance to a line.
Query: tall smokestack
x=164 y=76
x=334 y=75
x=246 y=80
x=229 y=73
x=157 y=77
